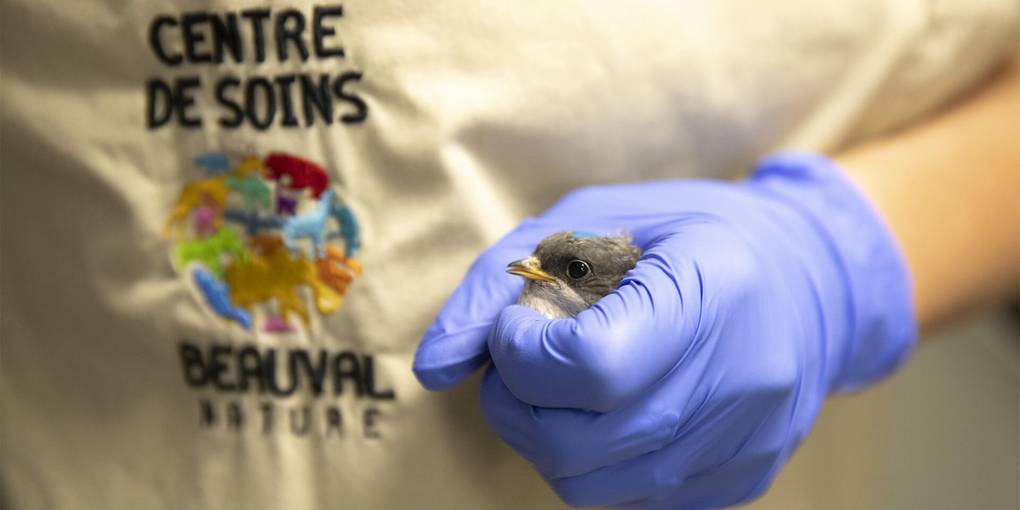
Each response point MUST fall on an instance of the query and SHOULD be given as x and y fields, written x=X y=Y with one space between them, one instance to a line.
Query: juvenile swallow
x=569 y=271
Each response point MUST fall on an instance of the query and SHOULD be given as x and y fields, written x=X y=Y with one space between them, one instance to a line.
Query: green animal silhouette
x=209 y=251
x=254 y=190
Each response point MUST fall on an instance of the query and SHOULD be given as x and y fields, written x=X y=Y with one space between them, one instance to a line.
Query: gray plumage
x=569 y=272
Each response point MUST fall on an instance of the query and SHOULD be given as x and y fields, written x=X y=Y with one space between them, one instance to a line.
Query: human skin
x=949 y=189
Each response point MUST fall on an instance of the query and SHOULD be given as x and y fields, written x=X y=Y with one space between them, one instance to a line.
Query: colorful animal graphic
x=300 y=173
x=336 y=270
x=206 y=220
x=210 y=251
x=285 y=205
x=265 y=243
x=209 y=192
x=254 y=257
x=255 y=191
x=218 y=298
x=252 y=221
x=309 y=225
x=213 y=162
x=277 y=277
x=250 y=167
x=349 y=230
x=276 y=325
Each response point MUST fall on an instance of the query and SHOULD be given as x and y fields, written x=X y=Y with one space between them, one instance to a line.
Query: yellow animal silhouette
x=250 y=166
x=212 y=192
x=278 y=275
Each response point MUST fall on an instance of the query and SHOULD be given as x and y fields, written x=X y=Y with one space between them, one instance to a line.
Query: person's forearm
x=948 y=189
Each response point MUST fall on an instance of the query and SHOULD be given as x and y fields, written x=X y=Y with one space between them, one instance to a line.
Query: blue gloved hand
x=690 y=385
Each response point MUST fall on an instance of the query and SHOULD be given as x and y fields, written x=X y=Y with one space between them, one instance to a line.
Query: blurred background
x=941 y=434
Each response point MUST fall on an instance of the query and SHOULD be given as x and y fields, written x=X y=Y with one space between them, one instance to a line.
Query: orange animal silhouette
x=336 y=270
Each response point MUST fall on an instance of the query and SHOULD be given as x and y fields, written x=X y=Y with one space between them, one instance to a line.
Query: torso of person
x=227 y=224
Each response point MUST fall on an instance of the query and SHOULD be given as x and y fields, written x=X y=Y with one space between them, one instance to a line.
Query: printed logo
x=253 y=233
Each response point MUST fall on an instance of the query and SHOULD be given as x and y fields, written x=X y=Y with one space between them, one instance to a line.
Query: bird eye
x=578 y=269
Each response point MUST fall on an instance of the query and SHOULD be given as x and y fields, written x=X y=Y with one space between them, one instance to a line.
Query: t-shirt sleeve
x=924 y=54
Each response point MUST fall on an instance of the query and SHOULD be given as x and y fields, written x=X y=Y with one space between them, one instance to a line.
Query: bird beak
x=529 y=268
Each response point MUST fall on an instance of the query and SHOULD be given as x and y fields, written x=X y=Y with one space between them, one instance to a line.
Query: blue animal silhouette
x=309 y=225
x=350 y=232
x=213 y=162
x=252 y=221
x=217 y=296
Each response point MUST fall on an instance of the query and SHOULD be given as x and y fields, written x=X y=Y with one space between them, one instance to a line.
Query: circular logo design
x=254 y=232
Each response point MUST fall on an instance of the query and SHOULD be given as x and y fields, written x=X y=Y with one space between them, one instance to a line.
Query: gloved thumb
x=455 y=345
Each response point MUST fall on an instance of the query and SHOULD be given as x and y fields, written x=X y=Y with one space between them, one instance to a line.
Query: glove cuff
x=881 y=327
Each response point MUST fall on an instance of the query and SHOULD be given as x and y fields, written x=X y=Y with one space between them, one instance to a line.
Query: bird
x=569 y=271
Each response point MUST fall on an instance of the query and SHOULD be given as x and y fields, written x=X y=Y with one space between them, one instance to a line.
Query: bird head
x=576 y=268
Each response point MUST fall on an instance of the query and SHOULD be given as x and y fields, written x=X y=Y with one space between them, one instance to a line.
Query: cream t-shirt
x=227 y=224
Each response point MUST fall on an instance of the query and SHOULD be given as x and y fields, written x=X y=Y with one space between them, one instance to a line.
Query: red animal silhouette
x=301 y=172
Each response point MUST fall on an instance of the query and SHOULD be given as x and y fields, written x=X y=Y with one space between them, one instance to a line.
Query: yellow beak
x=529 y=268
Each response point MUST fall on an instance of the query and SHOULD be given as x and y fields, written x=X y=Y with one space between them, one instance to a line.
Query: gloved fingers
x=731 y=484
x=568 y=442
x=454 y=345
x=648 y=476
x=727 y=455
x=615 y=350
x=721 y=456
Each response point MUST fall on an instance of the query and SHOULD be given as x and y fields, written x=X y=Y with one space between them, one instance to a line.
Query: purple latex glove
x=690 y=385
